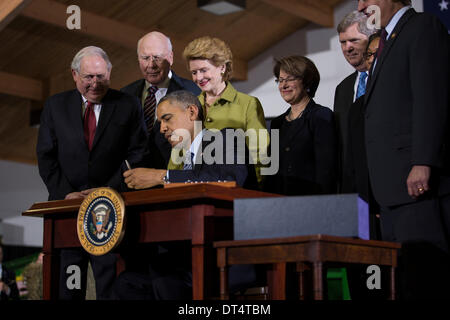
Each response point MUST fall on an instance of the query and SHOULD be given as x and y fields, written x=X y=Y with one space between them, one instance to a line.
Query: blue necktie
x=361 y=85
x=188 y=165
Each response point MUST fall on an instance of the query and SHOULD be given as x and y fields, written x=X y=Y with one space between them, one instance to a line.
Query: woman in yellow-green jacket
x=210 y=63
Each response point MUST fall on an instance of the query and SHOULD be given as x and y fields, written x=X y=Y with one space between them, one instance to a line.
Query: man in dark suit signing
x=204 y=157
x=85 y=136
x=207 y=156
x=407 y=141
x=353 y=36
x=155 y=57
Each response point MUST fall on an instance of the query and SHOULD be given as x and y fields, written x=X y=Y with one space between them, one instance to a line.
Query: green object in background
x=338 y=284
x=336 y=277
x=19 y=264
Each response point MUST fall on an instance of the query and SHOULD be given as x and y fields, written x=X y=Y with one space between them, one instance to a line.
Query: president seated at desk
x=202 y=155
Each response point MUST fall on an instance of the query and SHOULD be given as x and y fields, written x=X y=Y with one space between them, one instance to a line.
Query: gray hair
x=185 y=98
x=356 y=17
x=89 y=51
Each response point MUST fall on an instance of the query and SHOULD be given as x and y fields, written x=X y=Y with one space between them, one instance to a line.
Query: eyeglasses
x=155 y=58
x=369 y=54
x=287 y=80
x=89 y=78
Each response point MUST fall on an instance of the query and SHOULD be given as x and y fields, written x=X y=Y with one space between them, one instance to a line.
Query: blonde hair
x=213 y=49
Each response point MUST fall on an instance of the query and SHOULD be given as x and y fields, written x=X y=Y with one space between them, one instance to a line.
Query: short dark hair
x=405 y=2
x=302 y=68
x=373 y=37
x=186 y=98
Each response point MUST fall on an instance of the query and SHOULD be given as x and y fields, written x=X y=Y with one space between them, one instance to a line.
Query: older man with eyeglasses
x=155 y=57
x=85 y=136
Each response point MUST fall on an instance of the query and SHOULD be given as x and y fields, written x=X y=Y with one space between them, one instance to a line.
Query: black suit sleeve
x=325 y=149
x=137 y=145
x=47 y=154
x=349 y=174
x=9 y=277
x=428 y=78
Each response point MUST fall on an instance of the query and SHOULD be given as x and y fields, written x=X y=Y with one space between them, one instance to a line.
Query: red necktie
x=90 y=124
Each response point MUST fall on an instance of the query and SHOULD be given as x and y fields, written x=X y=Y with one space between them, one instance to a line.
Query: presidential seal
x=100 y=222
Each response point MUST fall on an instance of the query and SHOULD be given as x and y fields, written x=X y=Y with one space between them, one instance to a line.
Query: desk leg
x=223 y=268
x=318 y=280
x=301 y=268
x=277 y=282
x=198 y=272
x=50 y=267
x=392 y=297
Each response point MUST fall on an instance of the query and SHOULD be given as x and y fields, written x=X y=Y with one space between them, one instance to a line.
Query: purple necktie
x=382 y=42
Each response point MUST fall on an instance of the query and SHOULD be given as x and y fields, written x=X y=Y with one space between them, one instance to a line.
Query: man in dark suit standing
x=155 y=57
x=407 y=141
x=8 y=286
x=353 y=36
x=85 y=136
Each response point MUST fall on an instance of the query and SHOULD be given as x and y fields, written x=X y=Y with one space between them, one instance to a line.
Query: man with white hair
x=85 y=136
x=155 y=57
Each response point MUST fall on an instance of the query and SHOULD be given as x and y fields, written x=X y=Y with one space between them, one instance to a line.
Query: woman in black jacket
x=308 y=143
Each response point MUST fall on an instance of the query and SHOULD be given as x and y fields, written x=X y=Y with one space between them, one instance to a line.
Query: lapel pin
x=393 y=35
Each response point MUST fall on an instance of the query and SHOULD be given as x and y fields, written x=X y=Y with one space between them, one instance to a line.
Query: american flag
x=440 y=8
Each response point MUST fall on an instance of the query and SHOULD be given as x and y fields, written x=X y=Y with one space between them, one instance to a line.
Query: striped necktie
x=150 y=108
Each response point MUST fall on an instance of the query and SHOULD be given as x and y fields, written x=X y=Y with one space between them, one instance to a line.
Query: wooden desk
x=200 y=213
x=315 y=250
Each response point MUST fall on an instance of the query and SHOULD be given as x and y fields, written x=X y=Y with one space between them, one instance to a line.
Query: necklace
x=289 y=116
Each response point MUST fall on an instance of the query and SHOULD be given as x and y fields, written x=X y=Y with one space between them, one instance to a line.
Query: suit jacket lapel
x=75 y=104
x=387 y=47
x=139 y=88
x=173 y=84
x=351 y=88
x=106 y=112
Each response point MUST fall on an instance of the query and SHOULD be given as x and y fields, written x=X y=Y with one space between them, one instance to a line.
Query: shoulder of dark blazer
x=179 y=83
x=116 y=97
x=135 y=88
x=423 y=21
x=69 y=96
x=276 y=122
x=312 y=112
x=348 y=83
